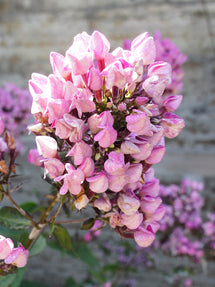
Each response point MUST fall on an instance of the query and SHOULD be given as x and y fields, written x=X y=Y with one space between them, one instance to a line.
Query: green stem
x=48 y=210
x=35 y=234
x=58 y=210
x=42 y=224
x=70 y=221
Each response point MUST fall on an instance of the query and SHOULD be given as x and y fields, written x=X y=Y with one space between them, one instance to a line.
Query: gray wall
x=30 y=29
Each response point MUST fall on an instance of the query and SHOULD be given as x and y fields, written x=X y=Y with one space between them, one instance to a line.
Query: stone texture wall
x=30 y=29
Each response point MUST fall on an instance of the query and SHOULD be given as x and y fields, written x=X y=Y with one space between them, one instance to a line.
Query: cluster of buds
x=183 y=204
x=101 y=122
x=182 y=243
x=11 y=257
x=168 y=52
x=183 y=219
x=15 y=110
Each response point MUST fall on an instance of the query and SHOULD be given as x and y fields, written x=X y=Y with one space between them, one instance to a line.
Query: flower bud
x=172 y=102
x=106 y=136
x=98 y=182
x=46 y=146
x=94 y=79
x=156 y=155
x=81 y=201
x=144 y=237
x=80 y=152
x=54 y=167
x=34 y=157
x=150 y=188
x=99 y=45
x=138 y=122
x=87 y=167
x=157 y=215
x=172 y=125
x=103 y=203
x=149 y=204
x=18 y=257
x=143 y=46
x=6 y=247
x=129 y=205
x=132 y=221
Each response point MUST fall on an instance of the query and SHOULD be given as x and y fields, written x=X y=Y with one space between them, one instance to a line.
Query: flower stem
x=41 y=225
x=70 y=221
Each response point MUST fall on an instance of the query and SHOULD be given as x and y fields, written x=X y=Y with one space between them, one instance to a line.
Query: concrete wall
x=30 y=29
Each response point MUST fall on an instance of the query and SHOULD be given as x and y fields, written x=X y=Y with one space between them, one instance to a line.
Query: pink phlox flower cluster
x=15 y=110
x=102 y=118
x=9 y=255
x=183 y=217
x=184 y=204
x=180 y=244
x=209 y=230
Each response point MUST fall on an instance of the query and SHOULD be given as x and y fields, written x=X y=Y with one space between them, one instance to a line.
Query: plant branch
x=45 y=215
x=70 y=221
x=22 y=211
x=52 y=220
x=41 y=225
x=30 y=243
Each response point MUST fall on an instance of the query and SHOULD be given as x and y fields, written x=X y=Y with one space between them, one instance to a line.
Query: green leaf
x=98 y=276
x=11 y=218
x=70 y=282
x=111 y=267
x=27 y=283
x=18 y=279
x=54 y=244
x=29 y=206
x=52 y=227
x=88 y=224
x=24 y=237
x=83 y=252
x=13 y=234
x=62 y=236
x=79 y=251
x=7 y=280
x=38 y=247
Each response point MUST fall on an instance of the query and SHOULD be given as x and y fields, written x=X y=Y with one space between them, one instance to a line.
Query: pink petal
x=106 y=137
x=6 y=247
x=143 y=237
x=98 y=183
x=46 y=146
x=80 y=152
x=99 y=44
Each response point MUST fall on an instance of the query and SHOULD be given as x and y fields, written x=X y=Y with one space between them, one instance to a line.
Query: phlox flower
x=102 y=118
x=18 y=257
x=6 y=247
x=72 y=180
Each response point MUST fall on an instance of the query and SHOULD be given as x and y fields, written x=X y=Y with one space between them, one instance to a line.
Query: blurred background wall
x=30 y=29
